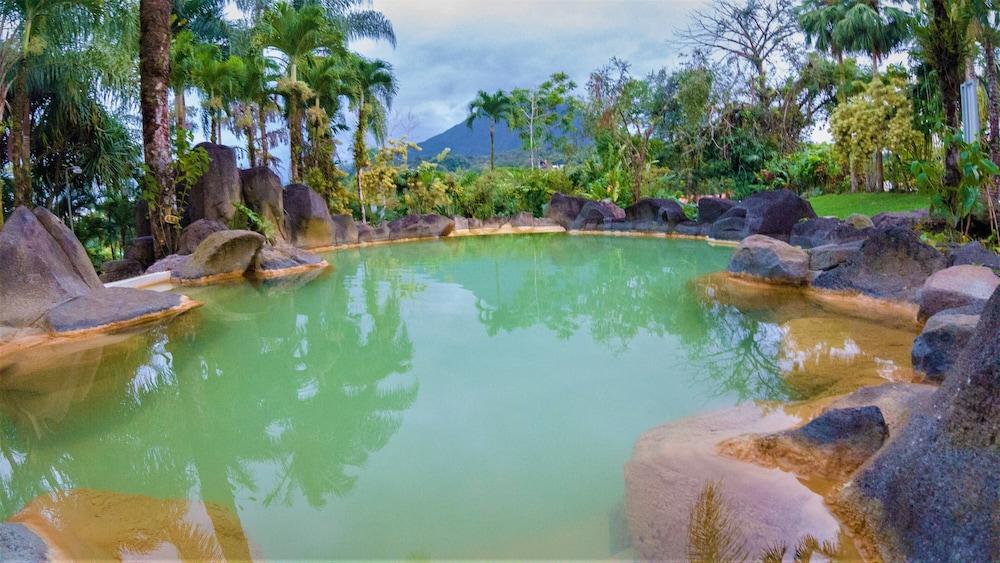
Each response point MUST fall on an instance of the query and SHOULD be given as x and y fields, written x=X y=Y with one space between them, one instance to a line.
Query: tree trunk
x=262 y=121
x=878 y=180
x=20 y=135
x=492 y=135
x=294 y=137
x=360 y=158
x=154 y=83
x=180 y=108
x=993 y=98
x=251 y=140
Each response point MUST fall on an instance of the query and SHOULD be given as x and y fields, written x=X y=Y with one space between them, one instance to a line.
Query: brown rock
x=225 y=252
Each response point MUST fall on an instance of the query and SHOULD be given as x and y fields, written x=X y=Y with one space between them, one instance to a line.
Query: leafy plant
x=248 y=218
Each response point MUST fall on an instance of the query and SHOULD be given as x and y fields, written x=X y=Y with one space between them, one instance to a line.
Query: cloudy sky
x=449 y=49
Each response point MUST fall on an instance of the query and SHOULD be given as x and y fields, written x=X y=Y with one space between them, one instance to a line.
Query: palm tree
x=219 y=79
x=495 y=107
x=193 y=23
x=297 y=33
x=869 y=27
x=154 y=83
x=373 y=87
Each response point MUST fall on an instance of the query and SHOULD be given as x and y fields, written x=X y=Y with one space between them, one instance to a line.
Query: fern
x=713 y=531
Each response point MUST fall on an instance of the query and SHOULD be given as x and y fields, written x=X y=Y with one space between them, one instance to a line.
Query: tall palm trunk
x=180 y=108
x=993 y=117
x=154 y=83
x=251 y=141
x=493 y=130
x=20 y=135
x=878 y=167
x=262 y=121
x=360 y=158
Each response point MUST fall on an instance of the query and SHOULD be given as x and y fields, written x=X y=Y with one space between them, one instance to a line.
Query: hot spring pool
x=465 y=398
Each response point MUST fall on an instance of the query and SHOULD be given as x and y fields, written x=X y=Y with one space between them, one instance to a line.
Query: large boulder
x=693 y=229
x=830 y=256
x=891 y=264
x=262 y=192
x=563 y=209
x=974 y=254
x=823 y=230
x=367 y=233
x=35 y=271
x=831 y=446
x=216 y=192
x=195 y=233
x=273 y=258
x=731 y=227
x=171 y=263
x=222 y=253
x=937 y=348
x=710 y=209
x=308 y=222
x=109 y=306
x=958 y=286
x=658 y=210
x=420 y=226
x=345 y=230
x=770 y=259
x=70 y=246
x=906 y=219
x=141 y=250
x=933 y=493
x=117 y=270
x=775 y=212
x=595 y=214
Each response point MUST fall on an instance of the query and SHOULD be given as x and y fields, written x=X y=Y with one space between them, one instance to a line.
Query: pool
x=464 y=398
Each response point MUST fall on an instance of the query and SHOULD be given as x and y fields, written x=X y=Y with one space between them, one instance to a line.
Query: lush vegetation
x=737 y=116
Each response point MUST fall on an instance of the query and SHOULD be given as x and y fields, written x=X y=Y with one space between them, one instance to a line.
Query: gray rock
x=906 y=219
x=891 y=264
x=711 y=209
x=831 y=255
x=770 y=259
x=933 y=493
x=69 y=244
x=859 y=221
x=195 y=233
x=461 y=223
x=367 y=233
x=308 y=222
x=522 y=219
x=729 y=228
x=937 y=348
x=171 y=263
x=225 y=252
x=974 y=253
x=420 y=226
x=216 y=192
x=690 y=228
x=105 y=306
x=18 y=543
x=595 y=214
x=345 y=230
x=141 y=250
x=271 y=258
x=262 y=193
x=957 y=286
x=35 y=272
x=775 y=213
x=822 y=231
x=656 y=210
x=116 y=270
x=564 y=209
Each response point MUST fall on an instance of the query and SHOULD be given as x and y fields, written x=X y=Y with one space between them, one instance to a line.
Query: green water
x=470 y=398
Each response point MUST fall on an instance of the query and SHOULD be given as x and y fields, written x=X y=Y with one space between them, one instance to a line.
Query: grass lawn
x=842 y=205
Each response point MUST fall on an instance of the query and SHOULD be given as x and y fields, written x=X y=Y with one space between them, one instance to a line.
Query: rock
x=690 y=228
x=18 y=543
x=974 y=253
x=729 y=228
x=822 y=231
x=957 y=286
x=171 y=263
x=933 y=493
x=262 y=193
x=420 y=226
x=831 y=446
x=564 y=209
x=832 y=255
x=595 y=214
x=658 y=210
x=106 y=306
x=141 y=250
x=35 y=271
x=271 y=258
x=767 y=258
x=906 y=219
x=216 y=192
x=775 y=212
x=711 y=209
x=896 y=401
x=461 y=223
x=221 y=253
x=522 y=219
x=367 y=233
x=891 y=264
x=195 y=233
x=345 y=230
x=69 y=244
x=941 y=342
x=116 y=270
x=308 y=222
x=859 y=221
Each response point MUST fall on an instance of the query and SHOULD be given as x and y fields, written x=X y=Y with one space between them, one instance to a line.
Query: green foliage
x=811 y=169
x=248 y=219
x=189 y=164
x=506 y=192
x=957 y=204
x=714 y=533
